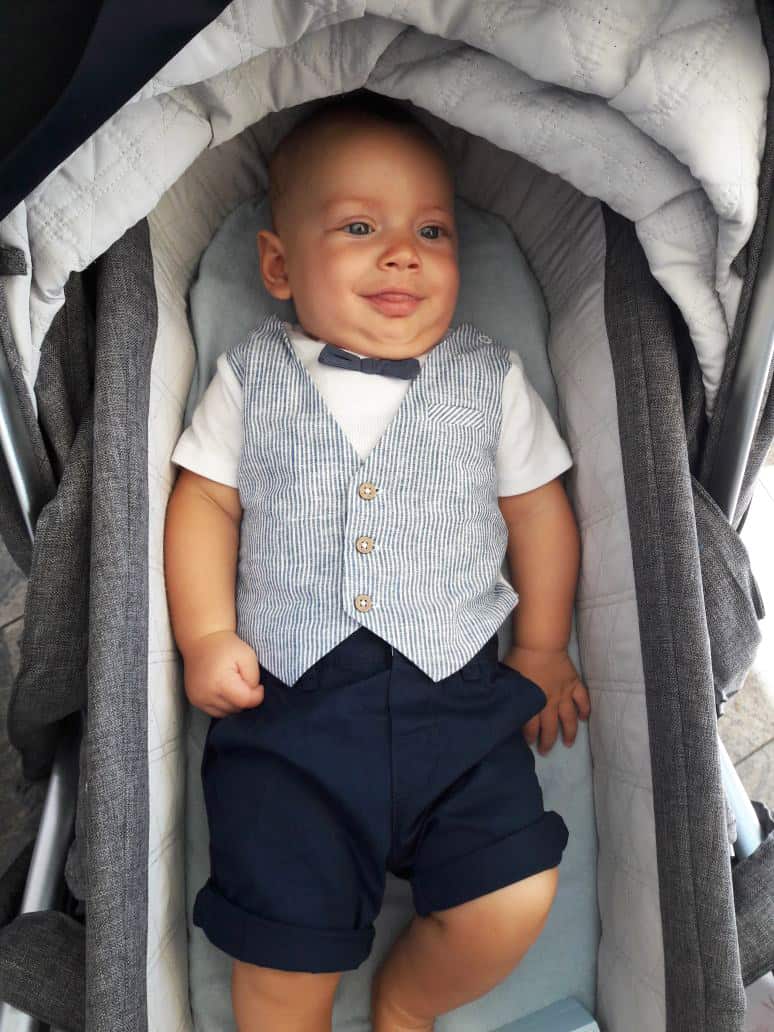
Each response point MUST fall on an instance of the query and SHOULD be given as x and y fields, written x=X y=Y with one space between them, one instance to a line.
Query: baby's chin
x=390 y=338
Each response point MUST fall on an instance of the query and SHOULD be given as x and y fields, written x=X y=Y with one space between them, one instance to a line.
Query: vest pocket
x=456 y=415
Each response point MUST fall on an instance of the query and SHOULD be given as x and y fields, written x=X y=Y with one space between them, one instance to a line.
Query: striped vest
x=408 y=542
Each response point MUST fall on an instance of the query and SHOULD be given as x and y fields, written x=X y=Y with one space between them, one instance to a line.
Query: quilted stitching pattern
x=655 y=95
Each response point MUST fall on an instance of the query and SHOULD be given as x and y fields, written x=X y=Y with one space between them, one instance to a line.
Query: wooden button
x=364 y=545
x=363 y=603
x=367 y=491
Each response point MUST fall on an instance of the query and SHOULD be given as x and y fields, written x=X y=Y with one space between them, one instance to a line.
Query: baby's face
x=367 y=245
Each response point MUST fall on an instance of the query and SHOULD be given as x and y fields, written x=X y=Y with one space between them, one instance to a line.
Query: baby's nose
x=401 y=255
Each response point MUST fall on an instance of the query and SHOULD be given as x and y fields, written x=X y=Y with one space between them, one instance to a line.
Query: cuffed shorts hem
x=537 y=847
x=255 y=940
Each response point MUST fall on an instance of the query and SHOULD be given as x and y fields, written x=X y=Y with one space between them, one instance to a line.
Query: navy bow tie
x=401 y=368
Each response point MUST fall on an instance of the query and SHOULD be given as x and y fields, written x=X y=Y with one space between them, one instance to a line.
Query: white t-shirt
x=530 y=451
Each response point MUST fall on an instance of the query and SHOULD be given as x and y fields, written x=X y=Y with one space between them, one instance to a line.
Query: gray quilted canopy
x=657 y=109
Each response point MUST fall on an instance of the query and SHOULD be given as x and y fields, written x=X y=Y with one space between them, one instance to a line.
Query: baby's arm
x=201 y=544
x=543 y=557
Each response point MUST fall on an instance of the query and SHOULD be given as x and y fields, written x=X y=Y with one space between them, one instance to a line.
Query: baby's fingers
x=545 y=724
x=568 y=716
x=235 y=692
x=246 y=665
x=549 y=729
x=580 y=694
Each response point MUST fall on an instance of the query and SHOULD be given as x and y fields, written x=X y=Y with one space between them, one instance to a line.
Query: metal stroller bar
x=748 y=386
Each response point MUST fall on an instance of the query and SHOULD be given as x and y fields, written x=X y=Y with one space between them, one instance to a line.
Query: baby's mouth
x=394 y=302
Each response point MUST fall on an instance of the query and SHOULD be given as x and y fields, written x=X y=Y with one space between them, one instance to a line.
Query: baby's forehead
x=321 y=156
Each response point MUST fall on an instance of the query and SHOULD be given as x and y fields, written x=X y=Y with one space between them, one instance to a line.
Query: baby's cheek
x=449 y=290
x=321 y=299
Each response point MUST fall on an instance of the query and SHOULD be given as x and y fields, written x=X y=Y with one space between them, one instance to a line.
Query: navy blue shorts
x=366 y=765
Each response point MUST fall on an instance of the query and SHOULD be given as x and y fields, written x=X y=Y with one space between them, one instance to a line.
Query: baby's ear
x=271 y=257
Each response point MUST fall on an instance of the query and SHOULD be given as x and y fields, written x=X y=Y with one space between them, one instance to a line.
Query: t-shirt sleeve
x=531 y=451
x=211 y=445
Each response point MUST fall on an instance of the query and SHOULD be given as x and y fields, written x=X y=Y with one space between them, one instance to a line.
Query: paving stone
x=748 y=720
x=11 y=635
x=13 y=589
x=757 y=774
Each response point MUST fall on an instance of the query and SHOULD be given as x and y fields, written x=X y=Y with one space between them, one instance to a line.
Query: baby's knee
x=261 y=995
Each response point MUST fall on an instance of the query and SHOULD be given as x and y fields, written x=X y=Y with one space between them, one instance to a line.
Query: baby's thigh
x=266 y=998
x=498 y=928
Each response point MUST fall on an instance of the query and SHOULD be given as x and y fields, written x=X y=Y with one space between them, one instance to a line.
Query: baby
x=370 y=468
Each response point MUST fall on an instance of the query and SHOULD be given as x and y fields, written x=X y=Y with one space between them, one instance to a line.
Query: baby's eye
x=432 y=232
x=358 y=228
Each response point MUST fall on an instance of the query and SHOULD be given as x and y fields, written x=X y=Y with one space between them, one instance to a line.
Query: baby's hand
x=568 y=697
x=222 y=675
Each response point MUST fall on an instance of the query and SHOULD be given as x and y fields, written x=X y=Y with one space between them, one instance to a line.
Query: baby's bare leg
x=268 y=1000
x=453 y=956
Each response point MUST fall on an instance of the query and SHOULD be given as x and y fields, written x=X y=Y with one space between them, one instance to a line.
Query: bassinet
x=626 y=148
